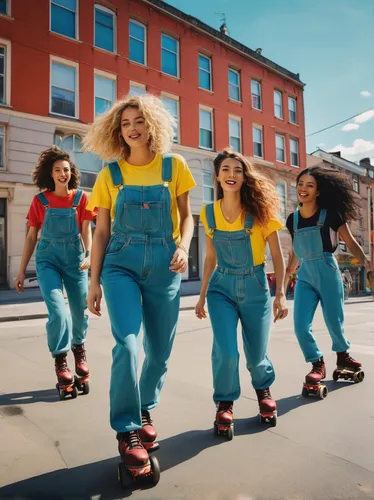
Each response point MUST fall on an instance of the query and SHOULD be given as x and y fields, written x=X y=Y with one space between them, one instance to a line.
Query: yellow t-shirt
x=104 y=193
x=258 y=236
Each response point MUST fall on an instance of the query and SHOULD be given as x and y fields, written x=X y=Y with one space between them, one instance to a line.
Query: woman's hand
x=179 y=261
x=280 y=309
x=95 y=295
x=18 y=282
x=200 y=310
x=85 y=264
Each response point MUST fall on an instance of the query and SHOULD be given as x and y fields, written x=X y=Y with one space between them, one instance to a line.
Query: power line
x=338 y=123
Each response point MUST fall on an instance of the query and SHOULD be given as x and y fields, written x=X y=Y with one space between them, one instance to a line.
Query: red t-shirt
x=36 y=212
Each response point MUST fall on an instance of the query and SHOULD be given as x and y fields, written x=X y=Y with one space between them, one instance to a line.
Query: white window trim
x=176 y=99
x=293 y=185
x=211 y=172
x=8 y=10
x=7 y=67
x=108 y=76
x=284 y=148
x=210 y=72
x=3 y=169
x=282 y=182
x=228 y=81
x=210 y=110
x=131 y=20
x=113 y=14
x=259 y=83
x=76 y=21
x=237 y=119
x=138 y=85
x=298 y=152
x=281 y=100
x=258 y=127
x=70 y=64
x=178 y=50
x=294 y=99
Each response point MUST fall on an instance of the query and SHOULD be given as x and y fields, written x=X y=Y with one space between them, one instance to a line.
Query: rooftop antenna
x=223 y=28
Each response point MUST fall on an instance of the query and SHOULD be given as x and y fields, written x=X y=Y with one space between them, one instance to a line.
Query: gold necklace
x=229 y=219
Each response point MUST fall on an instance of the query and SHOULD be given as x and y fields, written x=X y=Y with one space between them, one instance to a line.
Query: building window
x=104 y=94
x=137 y=52
x=292 y=115
x=205 y=72
x=2 y=74
x=169 y=55
x=105 y=28
x=294 y=147
x=4 y=7
x=279 y=146
x=63 y=17
x=257 y=142
x=234 y=85
x=172 y=106
x=193 y=257
x=208 y=181
x=281 y=190
x=278 y=108
x=2 y=146
x=235 y=134
x=293 y=197
x=63 y=90
x=137 y=89
x=206 y=129
x=256 y=94
x=355 y=183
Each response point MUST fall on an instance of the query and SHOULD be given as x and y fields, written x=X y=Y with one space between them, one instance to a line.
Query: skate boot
x=81 y=369
x=268 y=407
x=224 y=424
x=348 y=368
x=65 y=385
x=312 y=385
x=136 y=463
x=148 y=433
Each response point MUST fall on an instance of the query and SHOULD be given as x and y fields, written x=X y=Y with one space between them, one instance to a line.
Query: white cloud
x=365 y=93
x=364 y=117
x=350 y=126
x=359 y=149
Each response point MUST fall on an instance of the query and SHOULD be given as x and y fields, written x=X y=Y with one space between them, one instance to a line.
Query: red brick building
x=63 y=61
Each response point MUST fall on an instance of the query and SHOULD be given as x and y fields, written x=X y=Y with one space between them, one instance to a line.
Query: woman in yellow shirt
x=140 y=248
x=237 y=228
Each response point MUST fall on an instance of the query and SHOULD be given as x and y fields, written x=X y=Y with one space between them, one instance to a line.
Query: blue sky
x=329 y=42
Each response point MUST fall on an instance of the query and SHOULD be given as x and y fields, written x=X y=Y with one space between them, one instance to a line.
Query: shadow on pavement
x=27 y=397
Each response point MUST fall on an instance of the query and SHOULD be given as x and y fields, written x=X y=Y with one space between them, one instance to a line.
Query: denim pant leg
x=76 y=285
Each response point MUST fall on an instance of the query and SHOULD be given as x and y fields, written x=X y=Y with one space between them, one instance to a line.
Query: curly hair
x=104 y=137
x=335 y=191
x=42 y=173
x=258 y=194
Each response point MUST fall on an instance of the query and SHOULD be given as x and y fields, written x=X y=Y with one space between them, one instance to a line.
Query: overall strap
x=322 y=217
x=211 y=220
x=43 y=200
x=115 y=173
x=167 y=167
x=249 y=222
x=77 y=198
x=295 y=221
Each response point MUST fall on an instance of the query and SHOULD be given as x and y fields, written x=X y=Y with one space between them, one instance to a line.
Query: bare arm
x=87 y=242
x=291 y=268
x=279 y=305
x=179 y=261
x=28 y=250
x=353 y=246
x=209 y=266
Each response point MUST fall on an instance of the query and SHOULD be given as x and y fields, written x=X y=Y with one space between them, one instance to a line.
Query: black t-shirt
x=329 y=231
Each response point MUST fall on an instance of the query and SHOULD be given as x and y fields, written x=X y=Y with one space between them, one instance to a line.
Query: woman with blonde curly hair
x=140 y=249
x=238 y=226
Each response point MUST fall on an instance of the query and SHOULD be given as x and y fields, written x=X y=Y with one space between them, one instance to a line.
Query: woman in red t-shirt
x=62 y=258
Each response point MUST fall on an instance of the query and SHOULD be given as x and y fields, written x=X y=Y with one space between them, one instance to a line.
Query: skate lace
x=263 y=394
x=318 y=367
x=79 y=354
x=61 y=364
x=146 y=418
x=226 y=406
x=132 y=440
x=348 y=359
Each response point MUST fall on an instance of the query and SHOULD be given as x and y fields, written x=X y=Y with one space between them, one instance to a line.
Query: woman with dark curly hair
x=62 y=258
x=238 y=226
x=327 y=203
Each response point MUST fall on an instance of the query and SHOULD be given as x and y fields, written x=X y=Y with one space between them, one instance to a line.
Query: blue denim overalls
x=238 y=290
x=58 y=256
x=139 y=286
x=318 y=279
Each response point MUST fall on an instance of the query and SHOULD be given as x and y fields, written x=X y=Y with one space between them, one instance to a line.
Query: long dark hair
x=42 y=174
x=258 y=194
x=335 y=192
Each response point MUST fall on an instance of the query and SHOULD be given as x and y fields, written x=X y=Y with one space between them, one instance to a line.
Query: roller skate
x=224 y=425
x=65 y=385
x=268 y=407
x=81 y=369
x=136 y=464
x=348 y=368
x=312 y=384
x=148 y=433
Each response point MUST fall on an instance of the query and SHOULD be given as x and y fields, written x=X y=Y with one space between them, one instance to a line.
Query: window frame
x=114 y=15
x=3 y=138
x=260 y=128
x=76 y=14
x=289 y=110
x=69 y=64
x=253 y=80
x=137 y=85
x=295 y=202
x=212 y=186
x=208 y=110
x=284 y=185
x=280 y=93
x=284 y=148
x=176 y=53
x=7 y=71
x=238 y=120
x=202 y=69
x=174 y=98
x=131 y=20
x=106 y=76
x=8 y=9
x=356 y=180
x=229 y=83
x=295 y=141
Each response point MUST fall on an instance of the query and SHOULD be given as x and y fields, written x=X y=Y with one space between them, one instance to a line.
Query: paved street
x=66 y=450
